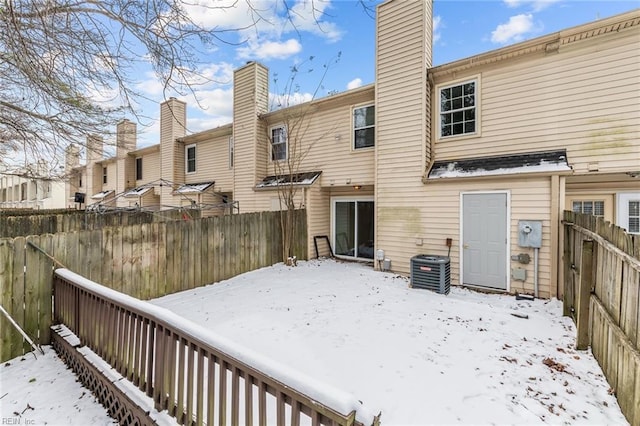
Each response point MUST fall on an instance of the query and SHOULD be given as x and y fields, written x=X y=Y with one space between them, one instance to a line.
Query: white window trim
x=286 y=143
x=592 y=200
x=623 y=209
x=186 y=159
x=353 y=127
x=347 y=199
x=459 y=82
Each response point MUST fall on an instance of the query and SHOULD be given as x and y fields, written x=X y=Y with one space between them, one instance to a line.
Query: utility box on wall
x=530 y=233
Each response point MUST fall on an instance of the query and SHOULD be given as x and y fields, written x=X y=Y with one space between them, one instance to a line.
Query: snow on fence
x=145 y=261
x=198 y=377
x=602 y=294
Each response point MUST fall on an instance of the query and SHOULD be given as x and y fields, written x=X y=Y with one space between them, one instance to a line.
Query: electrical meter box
x=530 y=233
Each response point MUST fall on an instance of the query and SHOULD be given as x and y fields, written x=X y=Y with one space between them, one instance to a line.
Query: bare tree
x=68 y=67
x=290 y=145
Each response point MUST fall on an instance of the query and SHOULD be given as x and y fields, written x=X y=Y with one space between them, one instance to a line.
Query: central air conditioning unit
x=431 y=272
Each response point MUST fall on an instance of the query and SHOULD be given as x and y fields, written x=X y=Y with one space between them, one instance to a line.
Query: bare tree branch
x=68 y=68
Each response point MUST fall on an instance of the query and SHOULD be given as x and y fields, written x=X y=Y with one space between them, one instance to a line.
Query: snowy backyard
x=416 y=356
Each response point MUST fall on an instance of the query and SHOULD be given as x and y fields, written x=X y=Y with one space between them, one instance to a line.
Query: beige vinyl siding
x=249 y=84
x=578 y=99
x=212 y=163
x=112 y=174
x=325 y=138
x=436 y=214
x=150 y=168
x=172 y=121
x=403 y=35
x=318 y=219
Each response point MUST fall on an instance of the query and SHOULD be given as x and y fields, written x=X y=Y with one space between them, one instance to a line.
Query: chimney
x=125 y=164
x=250 y=100
x=95 y=146
x=173 y=119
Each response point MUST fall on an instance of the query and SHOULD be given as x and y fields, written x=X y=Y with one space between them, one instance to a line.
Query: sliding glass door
x=353 y=227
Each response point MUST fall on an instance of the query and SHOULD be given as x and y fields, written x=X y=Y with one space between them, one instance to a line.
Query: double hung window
x=278 y=143
x=364 y=127
x=190 y=158
x=458 y=109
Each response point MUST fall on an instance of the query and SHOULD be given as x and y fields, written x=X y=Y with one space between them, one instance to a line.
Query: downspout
x=432 y=144
x=535 y=271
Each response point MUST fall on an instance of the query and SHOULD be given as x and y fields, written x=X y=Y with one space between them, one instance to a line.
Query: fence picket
x=614 y=308
x=8 y=336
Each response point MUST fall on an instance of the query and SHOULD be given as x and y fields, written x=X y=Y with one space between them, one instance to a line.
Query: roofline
x=548 y=43
x=207 y=134
x=146 y=150
x=315 y=102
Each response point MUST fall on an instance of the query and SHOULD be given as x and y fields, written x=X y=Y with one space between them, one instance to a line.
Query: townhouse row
x=474 y=160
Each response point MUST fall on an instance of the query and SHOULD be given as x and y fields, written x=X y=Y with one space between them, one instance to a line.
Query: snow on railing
x=197 y=376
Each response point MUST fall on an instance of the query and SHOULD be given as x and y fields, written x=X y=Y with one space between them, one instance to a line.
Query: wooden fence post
x=584 y=294
x=568 y=294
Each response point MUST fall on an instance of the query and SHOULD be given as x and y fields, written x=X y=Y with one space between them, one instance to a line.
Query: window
x=278 y=144
x=634 y=217
x=190 y=158
x=458 y=109
x=139 y=168
x=364 y=127
x=104 y=175
x=231 y=152
x=595 y=208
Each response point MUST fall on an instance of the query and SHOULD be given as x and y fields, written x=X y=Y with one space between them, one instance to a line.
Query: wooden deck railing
x=198 y=377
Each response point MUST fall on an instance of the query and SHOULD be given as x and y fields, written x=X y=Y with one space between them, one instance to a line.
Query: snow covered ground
x=417 y=356
x=43 y=391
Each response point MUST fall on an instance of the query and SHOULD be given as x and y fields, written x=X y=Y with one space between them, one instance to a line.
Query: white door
x=484 y=240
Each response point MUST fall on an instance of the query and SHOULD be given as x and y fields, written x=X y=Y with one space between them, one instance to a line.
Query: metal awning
x=298 y=179
x=102 y=194
x=137 y=192
x=193 y=188
x=531 y=162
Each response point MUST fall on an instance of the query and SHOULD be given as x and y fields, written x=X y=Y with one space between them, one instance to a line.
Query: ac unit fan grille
x=431 y=273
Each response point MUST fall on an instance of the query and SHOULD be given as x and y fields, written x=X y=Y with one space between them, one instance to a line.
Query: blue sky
x=462 y=29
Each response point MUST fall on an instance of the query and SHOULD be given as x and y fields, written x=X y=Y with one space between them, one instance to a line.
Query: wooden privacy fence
x=20 y=224
x=144 y=261
x=198 y=377
x=602 y=294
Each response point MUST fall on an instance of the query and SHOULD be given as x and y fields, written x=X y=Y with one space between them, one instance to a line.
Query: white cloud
x=254 y=20
x=270 y=50
x=514 y=30
x=437 y=20
x=150 y=85
x=355 y=83
x=310 y=16
x=536 y=5
x=215 y=102
x=277 y=101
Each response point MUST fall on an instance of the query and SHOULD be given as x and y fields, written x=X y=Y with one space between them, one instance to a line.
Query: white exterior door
x=484 y=240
